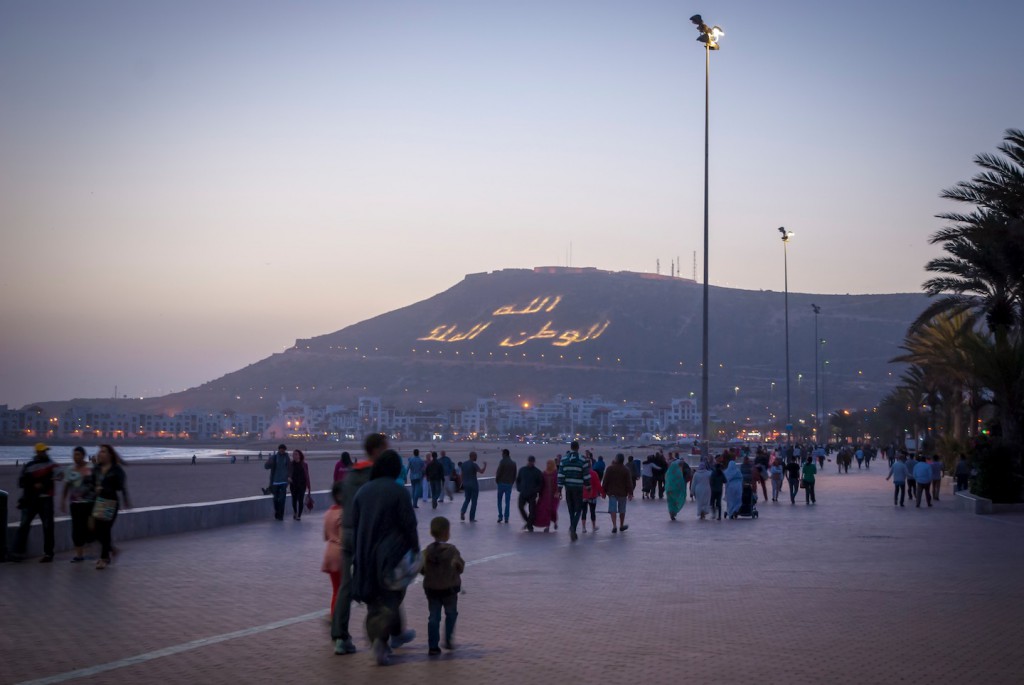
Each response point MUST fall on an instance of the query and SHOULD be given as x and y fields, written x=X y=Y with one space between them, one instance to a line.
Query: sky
x=188 y=187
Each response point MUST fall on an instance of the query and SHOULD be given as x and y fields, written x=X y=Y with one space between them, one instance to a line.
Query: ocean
x=62 y=453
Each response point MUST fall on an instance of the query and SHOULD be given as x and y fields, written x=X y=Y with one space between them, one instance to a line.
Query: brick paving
x=852 y=590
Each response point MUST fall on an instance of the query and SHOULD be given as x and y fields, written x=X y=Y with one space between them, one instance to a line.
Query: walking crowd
x=373 y=553
x=372 y=548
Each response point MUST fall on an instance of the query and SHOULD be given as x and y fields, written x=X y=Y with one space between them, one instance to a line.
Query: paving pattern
x=852 y=590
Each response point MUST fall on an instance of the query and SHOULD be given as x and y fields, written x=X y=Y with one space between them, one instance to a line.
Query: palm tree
x=938 y=363
x=997 y=363
x=983 y=270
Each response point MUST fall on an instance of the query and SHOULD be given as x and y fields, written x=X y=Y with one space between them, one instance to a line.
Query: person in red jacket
x=591 y=491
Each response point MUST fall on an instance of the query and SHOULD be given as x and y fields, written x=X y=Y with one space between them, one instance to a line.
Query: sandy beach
x=162 y=483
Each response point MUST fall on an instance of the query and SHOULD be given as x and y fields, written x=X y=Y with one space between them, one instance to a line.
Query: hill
x=531 y=334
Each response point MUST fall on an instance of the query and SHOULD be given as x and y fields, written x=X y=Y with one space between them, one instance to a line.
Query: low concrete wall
x=980 y=505
x=147 y=522
x=973 y=504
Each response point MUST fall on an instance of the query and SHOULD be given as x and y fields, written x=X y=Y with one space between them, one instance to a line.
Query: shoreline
x=168 y=481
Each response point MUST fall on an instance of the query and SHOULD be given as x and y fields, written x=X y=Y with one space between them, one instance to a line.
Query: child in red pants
x=332 y=552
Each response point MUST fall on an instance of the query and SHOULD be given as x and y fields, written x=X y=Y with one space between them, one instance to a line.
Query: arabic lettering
x=537 y=304
x=565 y=339
x=446 y=333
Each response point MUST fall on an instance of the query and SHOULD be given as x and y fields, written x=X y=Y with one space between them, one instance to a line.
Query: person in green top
x=808 y=471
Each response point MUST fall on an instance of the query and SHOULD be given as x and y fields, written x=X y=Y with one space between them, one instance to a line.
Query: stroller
x=747 y=507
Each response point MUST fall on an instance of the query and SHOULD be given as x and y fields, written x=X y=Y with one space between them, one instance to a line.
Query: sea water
x=62 y=453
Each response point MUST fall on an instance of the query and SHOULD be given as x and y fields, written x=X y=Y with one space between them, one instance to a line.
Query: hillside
x=536 y=333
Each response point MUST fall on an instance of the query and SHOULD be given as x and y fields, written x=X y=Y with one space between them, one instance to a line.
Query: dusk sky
x=188 y=187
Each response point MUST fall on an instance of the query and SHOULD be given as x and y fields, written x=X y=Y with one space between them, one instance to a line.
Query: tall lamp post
x=709 y=36
x=817 y=344
x=824 y=404
x=786 y=235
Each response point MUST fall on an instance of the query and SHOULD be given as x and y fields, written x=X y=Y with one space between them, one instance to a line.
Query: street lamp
x=786 y=235
x=817 y=344
x=709 y=36
x=824 y=406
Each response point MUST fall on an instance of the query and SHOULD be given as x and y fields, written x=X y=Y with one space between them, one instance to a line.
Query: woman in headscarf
x=675 y=488
x=342 y=467
x=298 y=480
x=384 y=539
x=109 y=482
x=547 y=504
x=733 y=488
x=702 y=489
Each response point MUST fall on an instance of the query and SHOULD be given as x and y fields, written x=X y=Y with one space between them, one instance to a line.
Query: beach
x=164 y=482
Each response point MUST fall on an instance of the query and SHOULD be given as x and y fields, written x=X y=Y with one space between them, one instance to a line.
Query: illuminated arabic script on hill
x=450 y=333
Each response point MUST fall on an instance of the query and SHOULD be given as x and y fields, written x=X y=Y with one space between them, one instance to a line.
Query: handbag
x=104 y=509
x=803 y=485
x=405 y=572
x=309 y=502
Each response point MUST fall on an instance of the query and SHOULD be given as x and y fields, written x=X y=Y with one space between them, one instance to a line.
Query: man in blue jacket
x=416 y=467
x=923 y=476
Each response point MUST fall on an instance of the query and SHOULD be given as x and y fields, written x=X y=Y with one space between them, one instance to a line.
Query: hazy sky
x=186 y=187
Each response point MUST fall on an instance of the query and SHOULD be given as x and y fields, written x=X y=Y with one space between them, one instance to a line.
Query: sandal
x=101 y=564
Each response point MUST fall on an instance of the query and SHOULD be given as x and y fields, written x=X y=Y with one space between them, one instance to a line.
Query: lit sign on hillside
x=450 y=333
x=445 y=333
x=536 y=304
x=565 y=338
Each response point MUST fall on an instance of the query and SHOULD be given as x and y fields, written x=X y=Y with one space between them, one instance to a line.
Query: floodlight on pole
x=709 y=36
x=786 y=235
x=817 y=344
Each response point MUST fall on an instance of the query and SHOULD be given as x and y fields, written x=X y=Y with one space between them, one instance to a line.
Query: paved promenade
x=852 y=590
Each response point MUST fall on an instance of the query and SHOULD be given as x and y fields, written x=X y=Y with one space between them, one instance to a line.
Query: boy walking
x=442 y=582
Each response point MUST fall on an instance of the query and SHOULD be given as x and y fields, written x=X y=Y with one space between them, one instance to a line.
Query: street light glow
x=709 y=35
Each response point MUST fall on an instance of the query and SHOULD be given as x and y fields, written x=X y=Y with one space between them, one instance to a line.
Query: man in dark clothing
x=717 y=484
x=36 y=483
x=792 y=470
x=384 y=534
x=659 y=474
x=470 y=486
x=505 y=478
x=449 y=476
x=435 y=479
x=279 y=466
x=529 y=481
x=747 y=469
x=357 y=476
x=618 y=485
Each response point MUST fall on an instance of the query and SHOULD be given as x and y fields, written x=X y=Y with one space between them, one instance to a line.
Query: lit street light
x=709 y=36
x=786 y=235
x=817 y=344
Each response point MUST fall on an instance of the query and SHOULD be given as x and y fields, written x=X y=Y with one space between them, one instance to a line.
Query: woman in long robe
x=733 y=487
x=675 y=488
x=701 y=487
x=547 y=503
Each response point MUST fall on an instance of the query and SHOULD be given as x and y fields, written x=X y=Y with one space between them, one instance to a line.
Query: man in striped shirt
x=573 y=472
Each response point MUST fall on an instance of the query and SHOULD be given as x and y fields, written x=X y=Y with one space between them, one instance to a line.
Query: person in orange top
x=332 y=536
x=591 y=491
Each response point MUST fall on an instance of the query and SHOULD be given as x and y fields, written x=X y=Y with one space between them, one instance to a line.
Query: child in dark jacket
x=442 y=582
